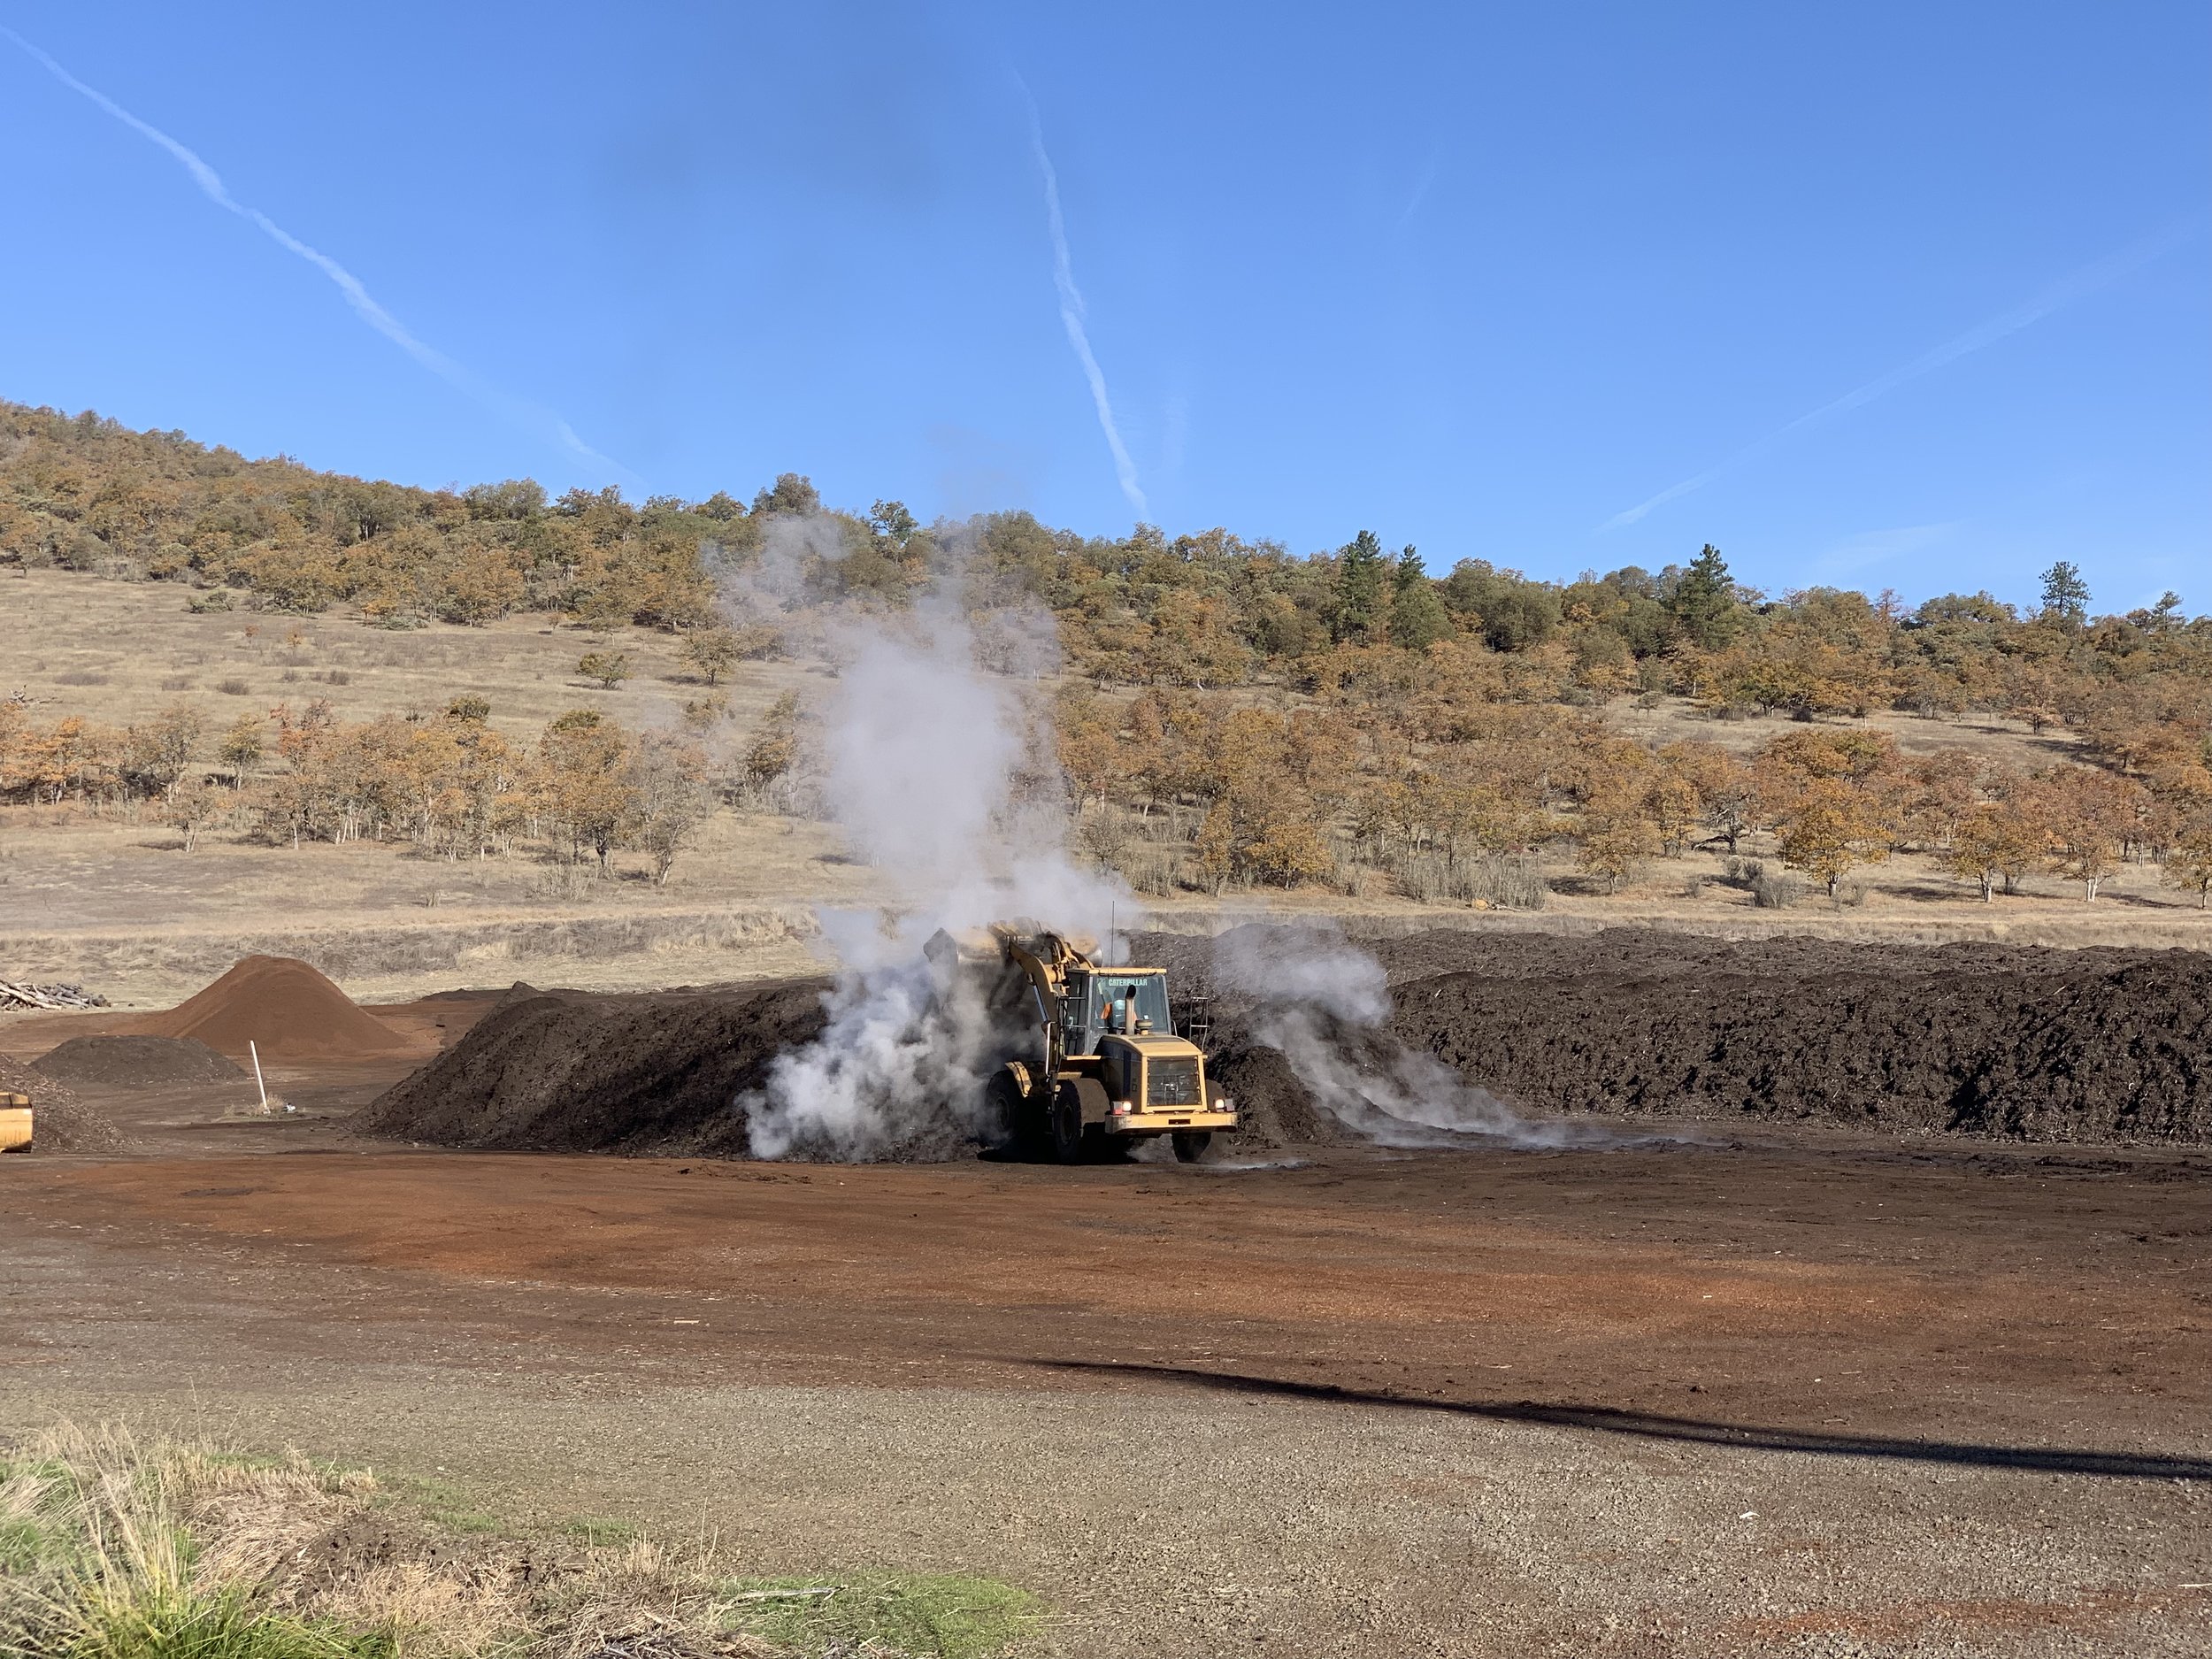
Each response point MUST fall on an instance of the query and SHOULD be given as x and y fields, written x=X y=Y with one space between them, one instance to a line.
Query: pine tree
x=1418 y=616
x=1703 y=603
x=1361 y=574
x=2065 y=594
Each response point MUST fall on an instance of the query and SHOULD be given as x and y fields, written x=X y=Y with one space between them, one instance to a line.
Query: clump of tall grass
x=1489 y=880
x=110 y=1549
x=1769 y=889
x=114 y=1548
x=1150 y=851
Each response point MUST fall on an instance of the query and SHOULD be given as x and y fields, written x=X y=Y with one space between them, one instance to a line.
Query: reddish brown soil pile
x=565 y=1071
x=136 y=1061
x=59 y=1121
x=2030 y=1043
x=286 y=1008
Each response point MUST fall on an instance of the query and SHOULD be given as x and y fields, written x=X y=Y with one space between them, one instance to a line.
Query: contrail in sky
x=521 y=412
x=1072 y=314
x=2084 y=281
x=1421 y=188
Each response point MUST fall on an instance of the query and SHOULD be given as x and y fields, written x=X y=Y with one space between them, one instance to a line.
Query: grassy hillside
x=278 y=656
x=1208 y=610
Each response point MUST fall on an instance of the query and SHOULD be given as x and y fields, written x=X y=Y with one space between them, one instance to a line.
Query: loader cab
x=1098 y=997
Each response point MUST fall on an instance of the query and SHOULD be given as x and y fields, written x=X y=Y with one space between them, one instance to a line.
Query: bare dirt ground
x=1808 y=1394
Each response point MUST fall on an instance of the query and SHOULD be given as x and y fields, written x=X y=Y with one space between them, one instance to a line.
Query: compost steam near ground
x=934 y=754
x=2014 y=1042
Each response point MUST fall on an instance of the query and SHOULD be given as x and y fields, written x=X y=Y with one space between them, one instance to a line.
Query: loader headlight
x=1121 y=1108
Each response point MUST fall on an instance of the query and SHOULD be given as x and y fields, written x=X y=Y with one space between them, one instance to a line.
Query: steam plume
x=1324 y=1003
x=518 y=410
x=938 y=764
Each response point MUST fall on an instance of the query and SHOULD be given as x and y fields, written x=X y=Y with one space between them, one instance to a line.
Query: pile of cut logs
x=15 y=994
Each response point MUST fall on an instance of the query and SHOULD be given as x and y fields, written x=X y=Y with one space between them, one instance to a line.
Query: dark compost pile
x=60 y=1121
x=1983 y=1039
x=2022 y=1041
x=655 y=1072
x=137 y=1062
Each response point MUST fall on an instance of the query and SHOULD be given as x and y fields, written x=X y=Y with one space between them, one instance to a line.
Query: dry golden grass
x=117 y=903
x=117 y=651
x=122 y=906
x=123 y=909
x=1987 y=736
x=116 y=900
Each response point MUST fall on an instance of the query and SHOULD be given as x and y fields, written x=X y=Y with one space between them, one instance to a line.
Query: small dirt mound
x=285 y=1007
x=136 y=1061
x=60 y=1122
x=562 y=1070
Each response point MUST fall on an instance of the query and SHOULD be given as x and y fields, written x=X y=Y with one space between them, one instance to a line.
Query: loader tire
x=999 y=1128
x=1068 y=1143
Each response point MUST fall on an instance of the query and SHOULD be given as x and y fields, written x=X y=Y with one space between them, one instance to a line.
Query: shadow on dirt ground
x=1650 y=1425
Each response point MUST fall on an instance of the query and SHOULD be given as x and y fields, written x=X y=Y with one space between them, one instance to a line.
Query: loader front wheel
x=1076 y=1143
x=1068 y=1145
x=1191 y=1144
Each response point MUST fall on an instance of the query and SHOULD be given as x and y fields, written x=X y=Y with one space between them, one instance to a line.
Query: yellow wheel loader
x=15 y=1122
x=1099 y=1061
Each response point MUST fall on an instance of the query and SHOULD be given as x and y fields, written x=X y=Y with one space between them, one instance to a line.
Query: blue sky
x=1484 y=279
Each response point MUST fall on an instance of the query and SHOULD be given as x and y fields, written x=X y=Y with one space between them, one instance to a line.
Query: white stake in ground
x=257 y=1083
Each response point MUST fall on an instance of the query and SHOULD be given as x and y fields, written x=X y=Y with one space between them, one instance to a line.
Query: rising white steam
x=520 y=413
x=1324 y=1003
x=1073 y=313
x=937 y=762
x=898 y=1069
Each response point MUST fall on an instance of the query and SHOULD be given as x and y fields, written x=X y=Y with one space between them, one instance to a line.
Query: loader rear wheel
x=1191 y=1144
